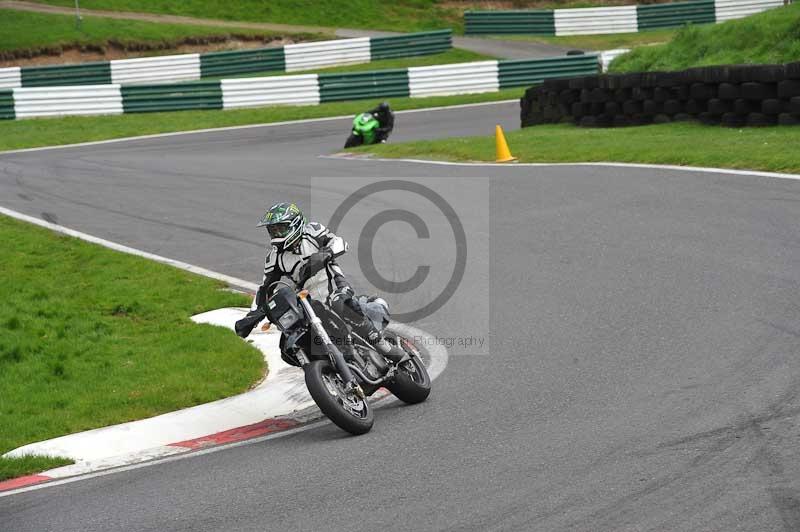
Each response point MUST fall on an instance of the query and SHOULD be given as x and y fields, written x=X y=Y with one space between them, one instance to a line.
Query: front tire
x=353 y=141
x=350 y=413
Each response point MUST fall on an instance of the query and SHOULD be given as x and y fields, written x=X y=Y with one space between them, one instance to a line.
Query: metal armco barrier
x=657 y=16
x=50 y=76
x=519 y=73
x=172 y=97
x=216 y=64
x=360 y=85
x=731 y=9
x=7 y=104
x=60 y=101
x=622 y=19
x=462 y=78
x=432 y=42
x=304 y=89
x=276 y=90
x=10 y=78
x=186 y=67
x=593 y=20
x=327 y=53
x=538 y=22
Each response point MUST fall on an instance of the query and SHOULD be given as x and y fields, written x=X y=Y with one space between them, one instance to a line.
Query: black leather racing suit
x=386 y=119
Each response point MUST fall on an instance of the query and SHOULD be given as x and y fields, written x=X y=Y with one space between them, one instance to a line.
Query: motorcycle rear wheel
x=411 y=384
x=350 y=413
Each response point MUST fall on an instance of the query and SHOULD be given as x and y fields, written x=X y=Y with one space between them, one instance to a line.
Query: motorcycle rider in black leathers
x=306 y=252
x=383 y=113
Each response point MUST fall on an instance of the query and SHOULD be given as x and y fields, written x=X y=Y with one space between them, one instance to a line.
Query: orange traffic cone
x=503 y=153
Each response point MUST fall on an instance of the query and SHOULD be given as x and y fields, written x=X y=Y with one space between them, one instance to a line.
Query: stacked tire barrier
x=189 y=67
x=304 y=89
x=621 y=19
x=733 y=96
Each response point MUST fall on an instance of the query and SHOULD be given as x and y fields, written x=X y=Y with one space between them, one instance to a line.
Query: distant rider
x=306 y=253
x=383 y=113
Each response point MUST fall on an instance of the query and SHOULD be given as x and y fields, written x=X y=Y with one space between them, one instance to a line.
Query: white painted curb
x=281 y=393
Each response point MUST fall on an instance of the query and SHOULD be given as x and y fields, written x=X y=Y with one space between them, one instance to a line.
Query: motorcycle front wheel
x=348 y=411
x=353 y=141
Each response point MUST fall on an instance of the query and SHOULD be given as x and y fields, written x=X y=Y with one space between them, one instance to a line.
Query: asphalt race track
x=643 y=368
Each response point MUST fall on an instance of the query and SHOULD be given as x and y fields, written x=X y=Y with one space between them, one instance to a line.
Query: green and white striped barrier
x=191 y=67
x=303 y=89
x=621 y=19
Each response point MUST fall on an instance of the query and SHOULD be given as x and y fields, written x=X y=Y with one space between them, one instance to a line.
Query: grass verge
x=26 y=34
x=398 y=15
x=769 y=37
x=688 y=144
x=90 y=337
x=31 y=133
x=598 y=42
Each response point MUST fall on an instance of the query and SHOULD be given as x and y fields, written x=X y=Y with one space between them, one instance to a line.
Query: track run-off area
x=642 y=329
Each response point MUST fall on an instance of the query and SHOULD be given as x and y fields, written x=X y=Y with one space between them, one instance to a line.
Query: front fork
x=333 y=352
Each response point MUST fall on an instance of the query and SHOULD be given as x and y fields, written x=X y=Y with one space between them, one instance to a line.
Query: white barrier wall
x=55 y=101
x=609 y=55
x=10 y=78
x=164 y=68
x=326 y=53
x=462 y=78
x=731 y=9
x=253 y=92
x=596 y=20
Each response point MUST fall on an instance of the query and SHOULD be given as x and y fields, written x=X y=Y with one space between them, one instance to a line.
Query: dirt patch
x=125 y=50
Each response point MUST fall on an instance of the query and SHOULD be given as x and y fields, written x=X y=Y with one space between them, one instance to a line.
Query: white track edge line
x=166 y=459
x=131 y=251
x=704 y=169
x=248 y=126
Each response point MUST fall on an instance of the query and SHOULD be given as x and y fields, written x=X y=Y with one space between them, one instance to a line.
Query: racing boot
x=346 y=307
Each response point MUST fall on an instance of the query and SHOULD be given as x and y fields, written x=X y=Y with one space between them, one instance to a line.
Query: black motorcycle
x=341 y=368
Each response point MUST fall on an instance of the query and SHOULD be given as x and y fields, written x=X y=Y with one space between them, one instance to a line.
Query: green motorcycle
x=365 y=131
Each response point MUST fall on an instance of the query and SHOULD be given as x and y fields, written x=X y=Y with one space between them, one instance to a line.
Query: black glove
x=245 y=325
x=315 y=263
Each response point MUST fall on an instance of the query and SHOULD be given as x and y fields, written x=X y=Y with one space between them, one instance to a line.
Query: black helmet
x=383 y=107
x=285 y=222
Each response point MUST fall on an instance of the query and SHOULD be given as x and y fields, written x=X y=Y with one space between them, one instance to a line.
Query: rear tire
x=353 y=141
x=411 y=383
x=350 y=414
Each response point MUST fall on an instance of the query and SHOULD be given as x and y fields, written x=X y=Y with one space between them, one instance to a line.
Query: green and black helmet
x=285 y=222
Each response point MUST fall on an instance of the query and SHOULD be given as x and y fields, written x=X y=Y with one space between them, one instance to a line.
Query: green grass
x=689 y=144
x=25 y=31
x=769 y=37
x=398 y=15
x=598 y=42
x=91 y=337
x=19 y=467
x=30 y=133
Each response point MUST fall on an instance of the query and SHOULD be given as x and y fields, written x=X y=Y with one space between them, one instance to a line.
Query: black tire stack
x=733 y=96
